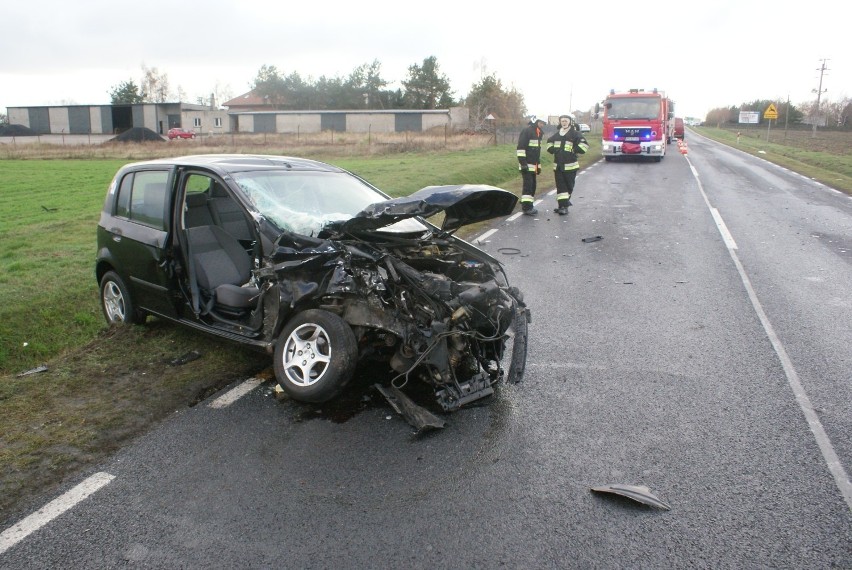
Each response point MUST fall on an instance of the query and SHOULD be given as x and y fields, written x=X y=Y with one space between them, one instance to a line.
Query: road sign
x=771 y=112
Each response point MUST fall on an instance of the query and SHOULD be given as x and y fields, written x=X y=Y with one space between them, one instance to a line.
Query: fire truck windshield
x=633 y=108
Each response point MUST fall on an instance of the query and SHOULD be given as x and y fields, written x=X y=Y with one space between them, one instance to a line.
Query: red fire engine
x=637 y=123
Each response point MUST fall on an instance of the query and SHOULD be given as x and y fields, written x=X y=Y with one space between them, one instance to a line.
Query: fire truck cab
x=637 y=123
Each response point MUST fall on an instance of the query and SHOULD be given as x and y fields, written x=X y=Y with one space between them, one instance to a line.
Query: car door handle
x=116 y=234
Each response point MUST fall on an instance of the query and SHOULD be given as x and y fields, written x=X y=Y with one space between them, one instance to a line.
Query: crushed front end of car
x=437 y=309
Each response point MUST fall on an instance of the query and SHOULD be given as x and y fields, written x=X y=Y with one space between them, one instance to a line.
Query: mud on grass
x=93 y=400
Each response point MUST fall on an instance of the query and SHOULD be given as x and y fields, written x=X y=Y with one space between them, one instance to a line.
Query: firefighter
x=565 y=144
x=529 y=163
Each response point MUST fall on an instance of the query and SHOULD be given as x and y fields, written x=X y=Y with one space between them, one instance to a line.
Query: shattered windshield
x=633 y=108
x=305 y=202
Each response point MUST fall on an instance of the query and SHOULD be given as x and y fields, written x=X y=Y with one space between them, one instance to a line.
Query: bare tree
x=155 y=85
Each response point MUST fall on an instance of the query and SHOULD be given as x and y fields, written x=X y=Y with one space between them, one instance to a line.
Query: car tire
x=116 y=303
x=315 y=356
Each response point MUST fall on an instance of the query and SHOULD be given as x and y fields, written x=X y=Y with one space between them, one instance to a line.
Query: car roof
x=231 y=163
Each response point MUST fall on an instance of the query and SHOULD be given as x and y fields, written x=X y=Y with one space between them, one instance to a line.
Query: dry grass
x=826 y=157
x=324 y=144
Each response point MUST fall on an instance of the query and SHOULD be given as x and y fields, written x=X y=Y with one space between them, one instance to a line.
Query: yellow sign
x=771 y=112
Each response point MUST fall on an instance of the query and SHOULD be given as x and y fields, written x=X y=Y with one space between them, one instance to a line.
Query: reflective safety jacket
x=565 y=149
x=529 y=148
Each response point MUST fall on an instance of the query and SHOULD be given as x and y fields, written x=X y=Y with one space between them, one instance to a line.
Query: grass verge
x=826 y=157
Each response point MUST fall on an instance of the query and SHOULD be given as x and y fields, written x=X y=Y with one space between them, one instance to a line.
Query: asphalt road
x=701 y=348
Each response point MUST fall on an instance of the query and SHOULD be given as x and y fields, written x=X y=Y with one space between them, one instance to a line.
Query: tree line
x=424 y=87
x=837 y=114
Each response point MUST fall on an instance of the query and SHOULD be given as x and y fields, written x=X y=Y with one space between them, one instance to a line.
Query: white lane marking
x=485 y=236
x=723 y=229
x=841 y=478
x=236 y=393
x=19 y=531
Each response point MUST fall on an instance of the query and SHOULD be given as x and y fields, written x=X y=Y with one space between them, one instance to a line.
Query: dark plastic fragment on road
x=591 y=239
x=418 y=417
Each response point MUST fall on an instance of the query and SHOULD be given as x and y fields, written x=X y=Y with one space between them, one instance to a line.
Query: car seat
x=197 y=213
x=222 y=268
x=229 y=215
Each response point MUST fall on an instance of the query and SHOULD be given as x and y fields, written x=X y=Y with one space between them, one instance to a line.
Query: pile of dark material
x=7 y=130
x=138 y=134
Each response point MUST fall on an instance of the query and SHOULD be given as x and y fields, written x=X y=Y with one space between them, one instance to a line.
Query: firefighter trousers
x=529 y=185
x=565 y=180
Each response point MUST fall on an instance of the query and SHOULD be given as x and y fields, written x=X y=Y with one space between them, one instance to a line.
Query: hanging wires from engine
x=422 y=356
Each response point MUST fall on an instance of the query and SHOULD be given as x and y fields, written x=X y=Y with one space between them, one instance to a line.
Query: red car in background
x=180 y=134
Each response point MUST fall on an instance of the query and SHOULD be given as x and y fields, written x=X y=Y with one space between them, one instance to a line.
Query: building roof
x=250 y=99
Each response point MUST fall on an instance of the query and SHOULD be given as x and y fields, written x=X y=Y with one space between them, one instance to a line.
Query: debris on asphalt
x=638 y=493
x=591 y=239
x=418 y=417
x=509 y=250
x=279 y=392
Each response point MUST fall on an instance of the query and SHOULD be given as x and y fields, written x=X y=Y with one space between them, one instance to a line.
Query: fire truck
x=637 y=123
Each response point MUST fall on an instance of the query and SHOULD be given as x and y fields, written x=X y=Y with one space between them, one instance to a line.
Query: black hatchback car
x=317 y=267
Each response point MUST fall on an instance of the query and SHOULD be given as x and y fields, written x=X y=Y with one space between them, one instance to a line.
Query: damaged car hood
x=462 y=204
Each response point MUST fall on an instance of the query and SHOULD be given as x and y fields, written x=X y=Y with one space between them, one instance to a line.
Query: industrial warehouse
x=239 y=115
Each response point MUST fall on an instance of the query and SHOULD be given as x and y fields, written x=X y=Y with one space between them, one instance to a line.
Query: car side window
x=122 y=204
x=149 y=198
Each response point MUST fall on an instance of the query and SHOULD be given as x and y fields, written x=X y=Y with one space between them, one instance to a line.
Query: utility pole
x=786 y=117
x=819 y=91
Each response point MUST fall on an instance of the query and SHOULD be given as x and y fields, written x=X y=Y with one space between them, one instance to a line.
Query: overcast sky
x=703 y=54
